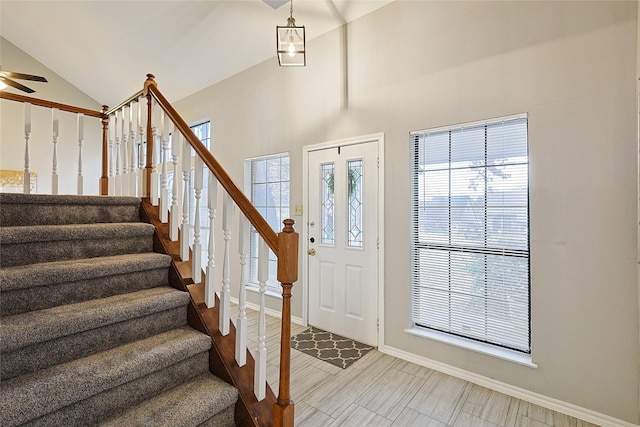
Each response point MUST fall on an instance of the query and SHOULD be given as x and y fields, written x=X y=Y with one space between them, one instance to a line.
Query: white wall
x=638 y=140
x=413 y=65
x=12 y=143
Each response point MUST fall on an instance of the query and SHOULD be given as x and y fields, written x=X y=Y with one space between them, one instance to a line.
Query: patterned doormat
x=331 y=348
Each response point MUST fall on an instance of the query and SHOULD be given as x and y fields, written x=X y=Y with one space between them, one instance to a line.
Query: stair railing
x=125 y=152
x=158 y=137
x=56 y=108
x=140 y=137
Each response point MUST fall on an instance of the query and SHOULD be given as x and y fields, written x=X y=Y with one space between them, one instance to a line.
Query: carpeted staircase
x=91 y=333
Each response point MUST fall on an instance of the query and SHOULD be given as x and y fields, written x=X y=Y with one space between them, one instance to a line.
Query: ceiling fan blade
x=22 y=76
x=16 y=85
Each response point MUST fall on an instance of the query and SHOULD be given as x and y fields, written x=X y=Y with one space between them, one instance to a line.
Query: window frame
x=484 y=346
x=273 y=287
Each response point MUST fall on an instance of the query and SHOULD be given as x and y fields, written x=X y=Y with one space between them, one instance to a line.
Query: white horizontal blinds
x=470 y=248
x=270 y=195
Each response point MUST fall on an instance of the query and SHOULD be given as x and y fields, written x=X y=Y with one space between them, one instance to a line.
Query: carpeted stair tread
x=189 y=404
x=67 y=199
x=44 y=325
x=47 y=243
x=106 y=404
x=49 y=273
x=45 y=354
x=33 y=395
x=34 y=209
x=49 y=233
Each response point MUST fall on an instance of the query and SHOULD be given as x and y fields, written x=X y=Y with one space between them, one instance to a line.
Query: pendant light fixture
x=290 y=42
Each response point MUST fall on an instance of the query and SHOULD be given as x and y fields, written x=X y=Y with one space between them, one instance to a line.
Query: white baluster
x=80 y=140
x=118 y=130
x=55 y=130
x=164 y=189
x=133 y=175
x=260 y=379
x=156 y=156
x=176 y=139
x=184 y=233
x=125 y=150
x=196 y=262
x=110 y=154
x=225 y=294
x=212 y=204
x=142 y=127
x=26 y=185
x=241 y=324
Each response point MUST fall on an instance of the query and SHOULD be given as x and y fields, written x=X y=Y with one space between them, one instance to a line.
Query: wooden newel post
x=287 y=275
x=149 y=165
x=104 y=180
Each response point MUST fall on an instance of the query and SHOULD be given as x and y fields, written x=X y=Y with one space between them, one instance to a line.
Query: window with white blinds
x=470 y=232
x=269 y=192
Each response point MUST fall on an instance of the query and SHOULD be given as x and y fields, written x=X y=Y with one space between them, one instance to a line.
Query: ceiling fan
x=7 y=77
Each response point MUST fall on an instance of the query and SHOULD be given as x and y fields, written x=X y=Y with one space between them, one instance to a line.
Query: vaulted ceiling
x=105 y=48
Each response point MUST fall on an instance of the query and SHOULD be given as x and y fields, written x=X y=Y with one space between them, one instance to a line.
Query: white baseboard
x=517 y=392
x=270 y=312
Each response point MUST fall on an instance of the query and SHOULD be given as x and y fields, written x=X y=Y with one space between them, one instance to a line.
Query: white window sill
x=479 y=347
x=252 y=287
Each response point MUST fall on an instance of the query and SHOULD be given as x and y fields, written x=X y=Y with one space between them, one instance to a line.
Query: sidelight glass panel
x=354 y=191
x=327 y=226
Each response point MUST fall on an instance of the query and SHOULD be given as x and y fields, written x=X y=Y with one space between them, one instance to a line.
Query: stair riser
x=43 y=355
x=118 y=399
x=41 y=297
x=46 y=214
x=36 y=252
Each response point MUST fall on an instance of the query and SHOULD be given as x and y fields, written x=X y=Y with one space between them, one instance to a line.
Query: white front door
x=342 y=240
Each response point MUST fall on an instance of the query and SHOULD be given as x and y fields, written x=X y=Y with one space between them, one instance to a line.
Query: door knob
x=311 y=252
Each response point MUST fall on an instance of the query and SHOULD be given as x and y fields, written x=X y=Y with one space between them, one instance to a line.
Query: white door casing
x=342 y=238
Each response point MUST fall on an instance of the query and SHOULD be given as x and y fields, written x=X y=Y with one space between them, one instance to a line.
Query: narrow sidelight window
x=268 y=179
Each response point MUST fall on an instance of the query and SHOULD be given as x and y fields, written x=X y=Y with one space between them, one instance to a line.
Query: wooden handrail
x=247 y=208
x=50 y=104
x=132 y=98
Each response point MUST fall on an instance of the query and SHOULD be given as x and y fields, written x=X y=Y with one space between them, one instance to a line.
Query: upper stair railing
x=146 y=148
x=56 y=108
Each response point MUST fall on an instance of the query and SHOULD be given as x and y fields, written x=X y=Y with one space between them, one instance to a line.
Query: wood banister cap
x=149 y=82
x=288 y=225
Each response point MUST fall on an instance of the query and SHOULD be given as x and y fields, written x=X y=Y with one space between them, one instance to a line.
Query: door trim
x=379 y=139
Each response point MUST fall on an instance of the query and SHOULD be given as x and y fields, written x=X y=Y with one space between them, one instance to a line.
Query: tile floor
x=381 y=390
